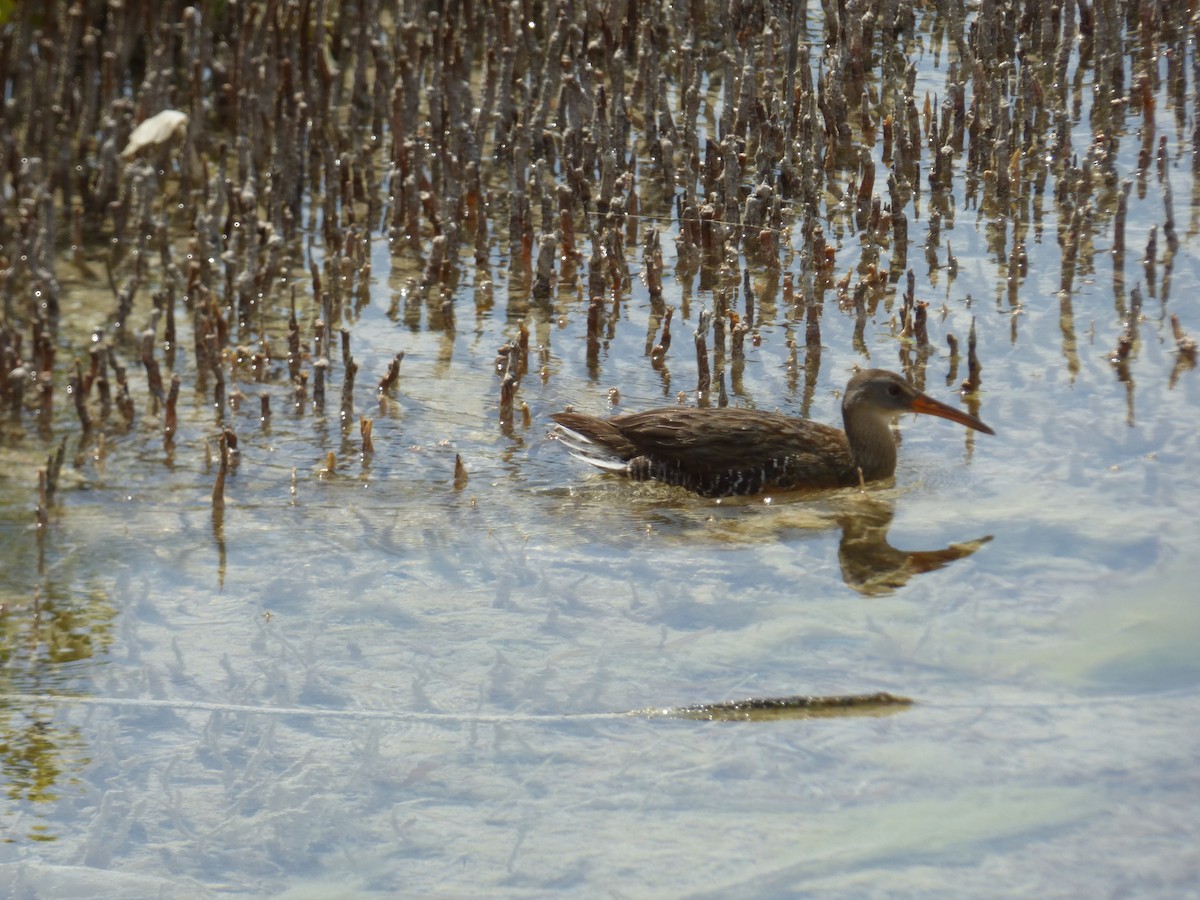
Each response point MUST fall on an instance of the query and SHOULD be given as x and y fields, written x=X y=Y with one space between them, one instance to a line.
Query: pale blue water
x=376 y=682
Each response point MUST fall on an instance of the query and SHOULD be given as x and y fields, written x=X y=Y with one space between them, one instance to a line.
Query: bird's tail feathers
x=584 y=448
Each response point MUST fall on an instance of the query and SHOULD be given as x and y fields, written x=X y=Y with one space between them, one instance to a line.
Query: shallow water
x=377 y=681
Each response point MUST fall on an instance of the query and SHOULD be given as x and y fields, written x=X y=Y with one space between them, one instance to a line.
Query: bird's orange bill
x=926 y=404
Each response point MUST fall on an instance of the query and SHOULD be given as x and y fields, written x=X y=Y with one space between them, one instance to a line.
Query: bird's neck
x=871 y=442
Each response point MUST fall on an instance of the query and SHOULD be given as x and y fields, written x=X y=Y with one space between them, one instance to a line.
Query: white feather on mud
x=156 y=131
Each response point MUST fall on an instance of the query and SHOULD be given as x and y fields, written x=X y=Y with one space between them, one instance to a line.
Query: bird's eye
x=894 y=390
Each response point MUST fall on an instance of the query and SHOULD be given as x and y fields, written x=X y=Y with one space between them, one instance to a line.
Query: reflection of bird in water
x=725 y=452
x=872 y=566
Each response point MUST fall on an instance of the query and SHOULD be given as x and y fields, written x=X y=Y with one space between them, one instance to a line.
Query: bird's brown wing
x=709 y=443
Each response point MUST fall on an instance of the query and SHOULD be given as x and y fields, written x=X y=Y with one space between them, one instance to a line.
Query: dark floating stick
x=776 y=708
